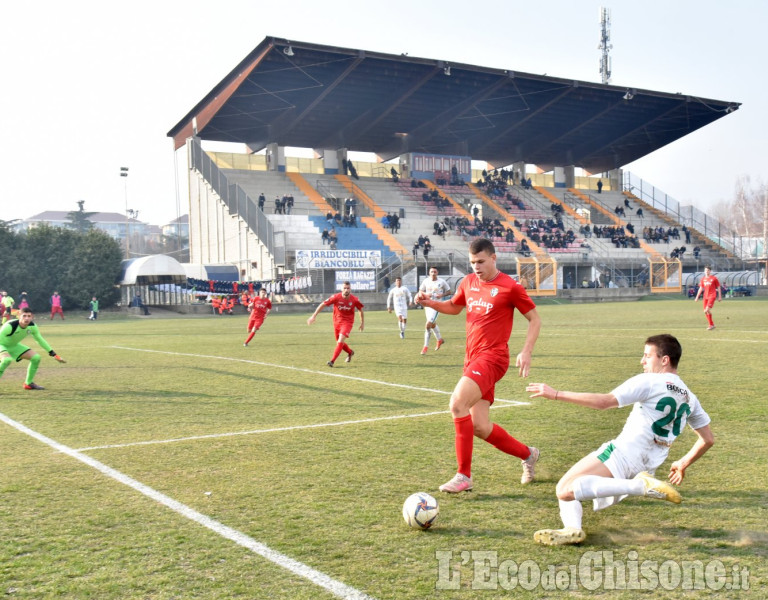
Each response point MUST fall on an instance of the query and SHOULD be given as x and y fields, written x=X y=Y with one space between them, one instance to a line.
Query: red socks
x=465 y=432
x=500 y=439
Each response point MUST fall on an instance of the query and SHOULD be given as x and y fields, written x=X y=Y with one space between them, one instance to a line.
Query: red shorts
x=56 y=309
x=709 y=303
x=344 y=329
x=485 y=370
x=255 y=323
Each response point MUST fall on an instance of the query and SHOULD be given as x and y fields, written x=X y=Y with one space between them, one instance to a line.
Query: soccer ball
x=420 y=510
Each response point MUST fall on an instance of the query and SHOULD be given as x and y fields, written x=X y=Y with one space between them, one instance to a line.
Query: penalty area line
x=338 y=589
x=302 y=370
x=208 y=436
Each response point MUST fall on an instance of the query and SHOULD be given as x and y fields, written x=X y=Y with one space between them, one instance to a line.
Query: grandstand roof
x=313 y=96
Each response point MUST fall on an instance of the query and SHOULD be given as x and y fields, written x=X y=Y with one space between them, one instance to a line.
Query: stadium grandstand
x=459 y=151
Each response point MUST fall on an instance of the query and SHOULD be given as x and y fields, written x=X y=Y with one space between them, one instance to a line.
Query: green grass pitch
x=314 y=463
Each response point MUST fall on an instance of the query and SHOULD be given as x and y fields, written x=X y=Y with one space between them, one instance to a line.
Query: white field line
x=499 y=403
x=299 y=369
x=507 y=404
x=338 y=589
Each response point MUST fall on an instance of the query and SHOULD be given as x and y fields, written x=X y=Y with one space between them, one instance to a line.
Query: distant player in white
x=625 y=465
x=435 y=288
x=400 y=298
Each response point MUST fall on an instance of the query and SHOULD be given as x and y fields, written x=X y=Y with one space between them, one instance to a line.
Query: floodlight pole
x=124 y=173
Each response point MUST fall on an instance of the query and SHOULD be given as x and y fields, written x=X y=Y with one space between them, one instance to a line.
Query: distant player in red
x=710 y=285
x=491 y=298
x=344 y=305
x=259 y=307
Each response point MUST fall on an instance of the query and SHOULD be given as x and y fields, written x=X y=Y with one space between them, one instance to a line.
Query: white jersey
x=434 y=289
x=399 y=298
x=663 y=405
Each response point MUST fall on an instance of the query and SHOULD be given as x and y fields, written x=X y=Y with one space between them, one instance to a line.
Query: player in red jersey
x=344 y=305
x=710 y=285
x=259 y=307
x=491 y=298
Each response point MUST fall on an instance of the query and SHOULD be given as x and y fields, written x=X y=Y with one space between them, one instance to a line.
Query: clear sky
x=90 y=86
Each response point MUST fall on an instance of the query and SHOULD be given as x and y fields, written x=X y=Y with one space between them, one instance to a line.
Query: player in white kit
x=400 y=298
x=625 y=465
x=435 y=288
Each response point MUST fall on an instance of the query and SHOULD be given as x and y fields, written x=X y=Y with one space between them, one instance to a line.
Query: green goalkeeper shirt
x=12 y=334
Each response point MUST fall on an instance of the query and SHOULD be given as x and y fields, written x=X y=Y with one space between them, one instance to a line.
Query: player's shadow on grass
x=310 y=391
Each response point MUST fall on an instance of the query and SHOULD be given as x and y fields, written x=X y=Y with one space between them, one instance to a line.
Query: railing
x=335 y=193
x=235 y=198
x=685 y=215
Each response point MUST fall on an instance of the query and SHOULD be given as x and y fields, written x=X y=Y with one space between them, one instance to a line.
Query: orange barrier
x=310 y=192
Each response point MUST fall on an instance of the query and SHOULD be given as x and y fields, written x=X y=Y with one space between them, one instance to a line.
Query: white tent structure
x=154 y=269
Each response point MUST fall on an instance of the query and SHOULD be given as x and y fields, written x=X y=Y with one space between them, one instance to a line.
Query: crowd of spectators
x=283 y=205
x=391 y=221
x=660 y=234
x=422 y=244
x=330 y=237
x=617 y=234
x=435 y=197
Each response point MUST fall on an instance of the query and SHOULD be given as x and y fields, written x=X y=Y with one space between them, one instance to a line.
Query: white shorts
x=431 y=314
x=625 y=463
x=401 y=311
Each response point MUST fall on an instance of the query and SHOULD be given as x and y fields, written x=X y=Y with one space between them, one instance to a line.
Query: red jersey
x=343 y=308
x=259 y=307
x=710 y=286
x=490 y=309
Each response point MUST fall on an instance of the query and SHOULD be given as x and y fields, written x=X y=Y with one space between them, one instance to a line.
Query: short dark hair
x=26 y=309
x=666 y=345
x=482 y=245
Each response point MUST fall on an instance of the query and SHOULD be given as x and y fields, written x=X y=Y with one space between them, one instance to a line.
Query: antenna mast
x=605 y=45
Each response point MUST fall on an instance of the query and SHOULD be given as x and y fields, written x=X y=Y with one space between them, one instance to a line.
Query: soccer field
x=165 y=460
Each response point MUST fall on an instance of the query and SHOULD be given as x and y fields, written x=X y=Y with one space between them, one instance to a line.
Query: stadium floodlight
x=288 y=51
x=629 y=95
x=447 y=71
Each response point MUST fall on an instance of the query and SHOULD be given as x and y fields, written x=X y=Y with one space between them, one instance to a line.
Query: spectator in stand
x=326 y=237
x=386 y=221
x=640 y=212
x=395 y=176
x=262 y=200
x=394 y=223
x=696 y=252
x=599 y=186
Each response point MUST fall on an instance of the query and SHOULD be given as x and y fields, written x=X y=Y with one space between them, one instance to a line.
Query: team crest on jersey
x=494 y=292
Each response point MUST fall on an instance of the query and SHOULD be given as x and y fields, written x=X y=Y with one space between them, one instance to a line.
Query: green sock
x=34 y=362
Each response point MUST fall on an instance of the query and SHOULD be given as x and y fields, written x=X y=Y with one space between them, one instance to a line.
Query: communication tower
x=605 y=45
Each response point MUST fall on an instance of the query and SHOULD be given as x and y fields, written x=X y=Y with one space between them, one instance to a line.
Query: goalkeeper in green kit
x=11 y=348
